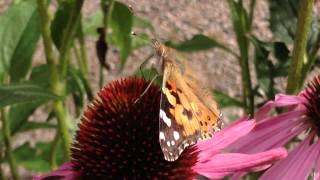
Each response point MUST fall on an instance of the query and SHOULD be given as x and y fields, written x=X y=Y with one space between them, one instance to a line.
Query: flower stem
x=53 y=150
x=251 y=11
x=7 y=142
x=83 y=61
x=311 y=59
x=68 y=35
x=1 y=173
x=240 y=26
x=57 y=86
x=299 y=49
x=101 y=77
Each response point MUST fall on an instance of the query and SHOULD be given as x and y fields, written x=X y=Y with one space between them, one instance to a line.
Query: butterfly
x=188 y=112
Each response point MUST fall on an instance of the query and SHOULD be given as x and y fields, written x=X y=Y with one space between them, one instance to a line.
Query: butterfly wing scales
x=175 y=130
x=187 y=111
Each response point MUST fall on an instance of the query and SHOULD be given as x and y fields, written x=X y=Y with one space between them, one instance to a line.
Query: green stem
x=299 y=49
x=1 y=173
x=53 y=151
x=240 y=27
x=57 y=86
x=83 y=61
x=311 y=59
x=7 y=142
x=101 y=77
x=251 y=11
x=106 y=7
x=68 y=35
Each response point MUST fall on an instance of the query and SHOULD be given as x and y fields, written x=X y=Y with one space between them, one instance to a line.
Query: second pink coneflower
x=298 y=123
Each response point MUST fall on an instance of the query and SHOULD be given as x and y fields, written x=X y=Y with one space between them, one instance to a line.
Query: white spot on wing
x=165 y=118
x=173 y=143
x=161 y=136
x=176 y=135
x=168 y=143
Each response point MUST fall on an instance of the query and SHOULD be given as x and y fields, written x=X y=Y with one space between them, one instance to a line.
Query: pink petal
x=317 y=167
x=64 y=172
x=281 y=100
x=269 y=132
x=224 y=138
x=296 y=165
x=224 y=164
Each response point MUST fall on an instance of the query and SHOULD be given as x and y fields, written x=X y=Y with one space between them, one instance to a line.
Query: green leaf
x=20 y=113
x=36 y=125
x=36 y=158
x=24 y=93
x=40 y=75
x=121 y=23
x=283 y=21
x=142 y=23
x=19 y=34
x=91 y=23
x=283 y=18
x=33 y=158
x=225 y=100
x=140 y=41
x=76 y=87
x=60 y=21
x=197 y=43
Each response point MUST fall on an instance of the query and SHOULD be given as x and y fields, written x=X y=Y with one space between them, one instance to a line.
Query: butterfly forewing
x=187 y=113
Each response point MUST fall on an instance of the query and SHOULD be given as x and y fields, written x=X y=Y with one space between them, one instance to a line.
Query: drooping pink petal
x=306 y=163
x=270 y=132
x=223 y=164
x=281 y=100
x=64 y=172
x=291 y=167
x=317 y=168
x=224 y=138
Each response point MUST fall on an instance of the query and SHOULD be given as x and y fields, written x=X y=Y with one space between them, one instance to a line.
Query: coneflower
x=118 y=138
x=299 y=121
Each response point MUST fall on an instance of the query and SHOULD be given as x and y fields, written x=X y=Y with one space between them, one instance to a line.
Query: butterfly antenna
x=147 y=88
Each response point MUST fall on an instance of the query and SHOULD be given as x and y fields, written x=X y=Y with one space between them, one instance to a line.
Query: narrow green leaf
x=225 y=100
x=19 y=33
x=40 y=75
x=121 y=23
x=60 y=21
x=20 y=113
x=36 y=125
x=91 y=23
x=283 y=18
x=140 y=41
x=199 y=42
x=283 y=21
x=24 y=93
x=142 y=23
x=33 y=158
x=196 y=43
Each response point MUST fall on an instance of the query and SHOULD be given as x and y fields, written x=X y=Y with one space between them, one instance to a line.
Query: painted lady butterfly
x=187 y=111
